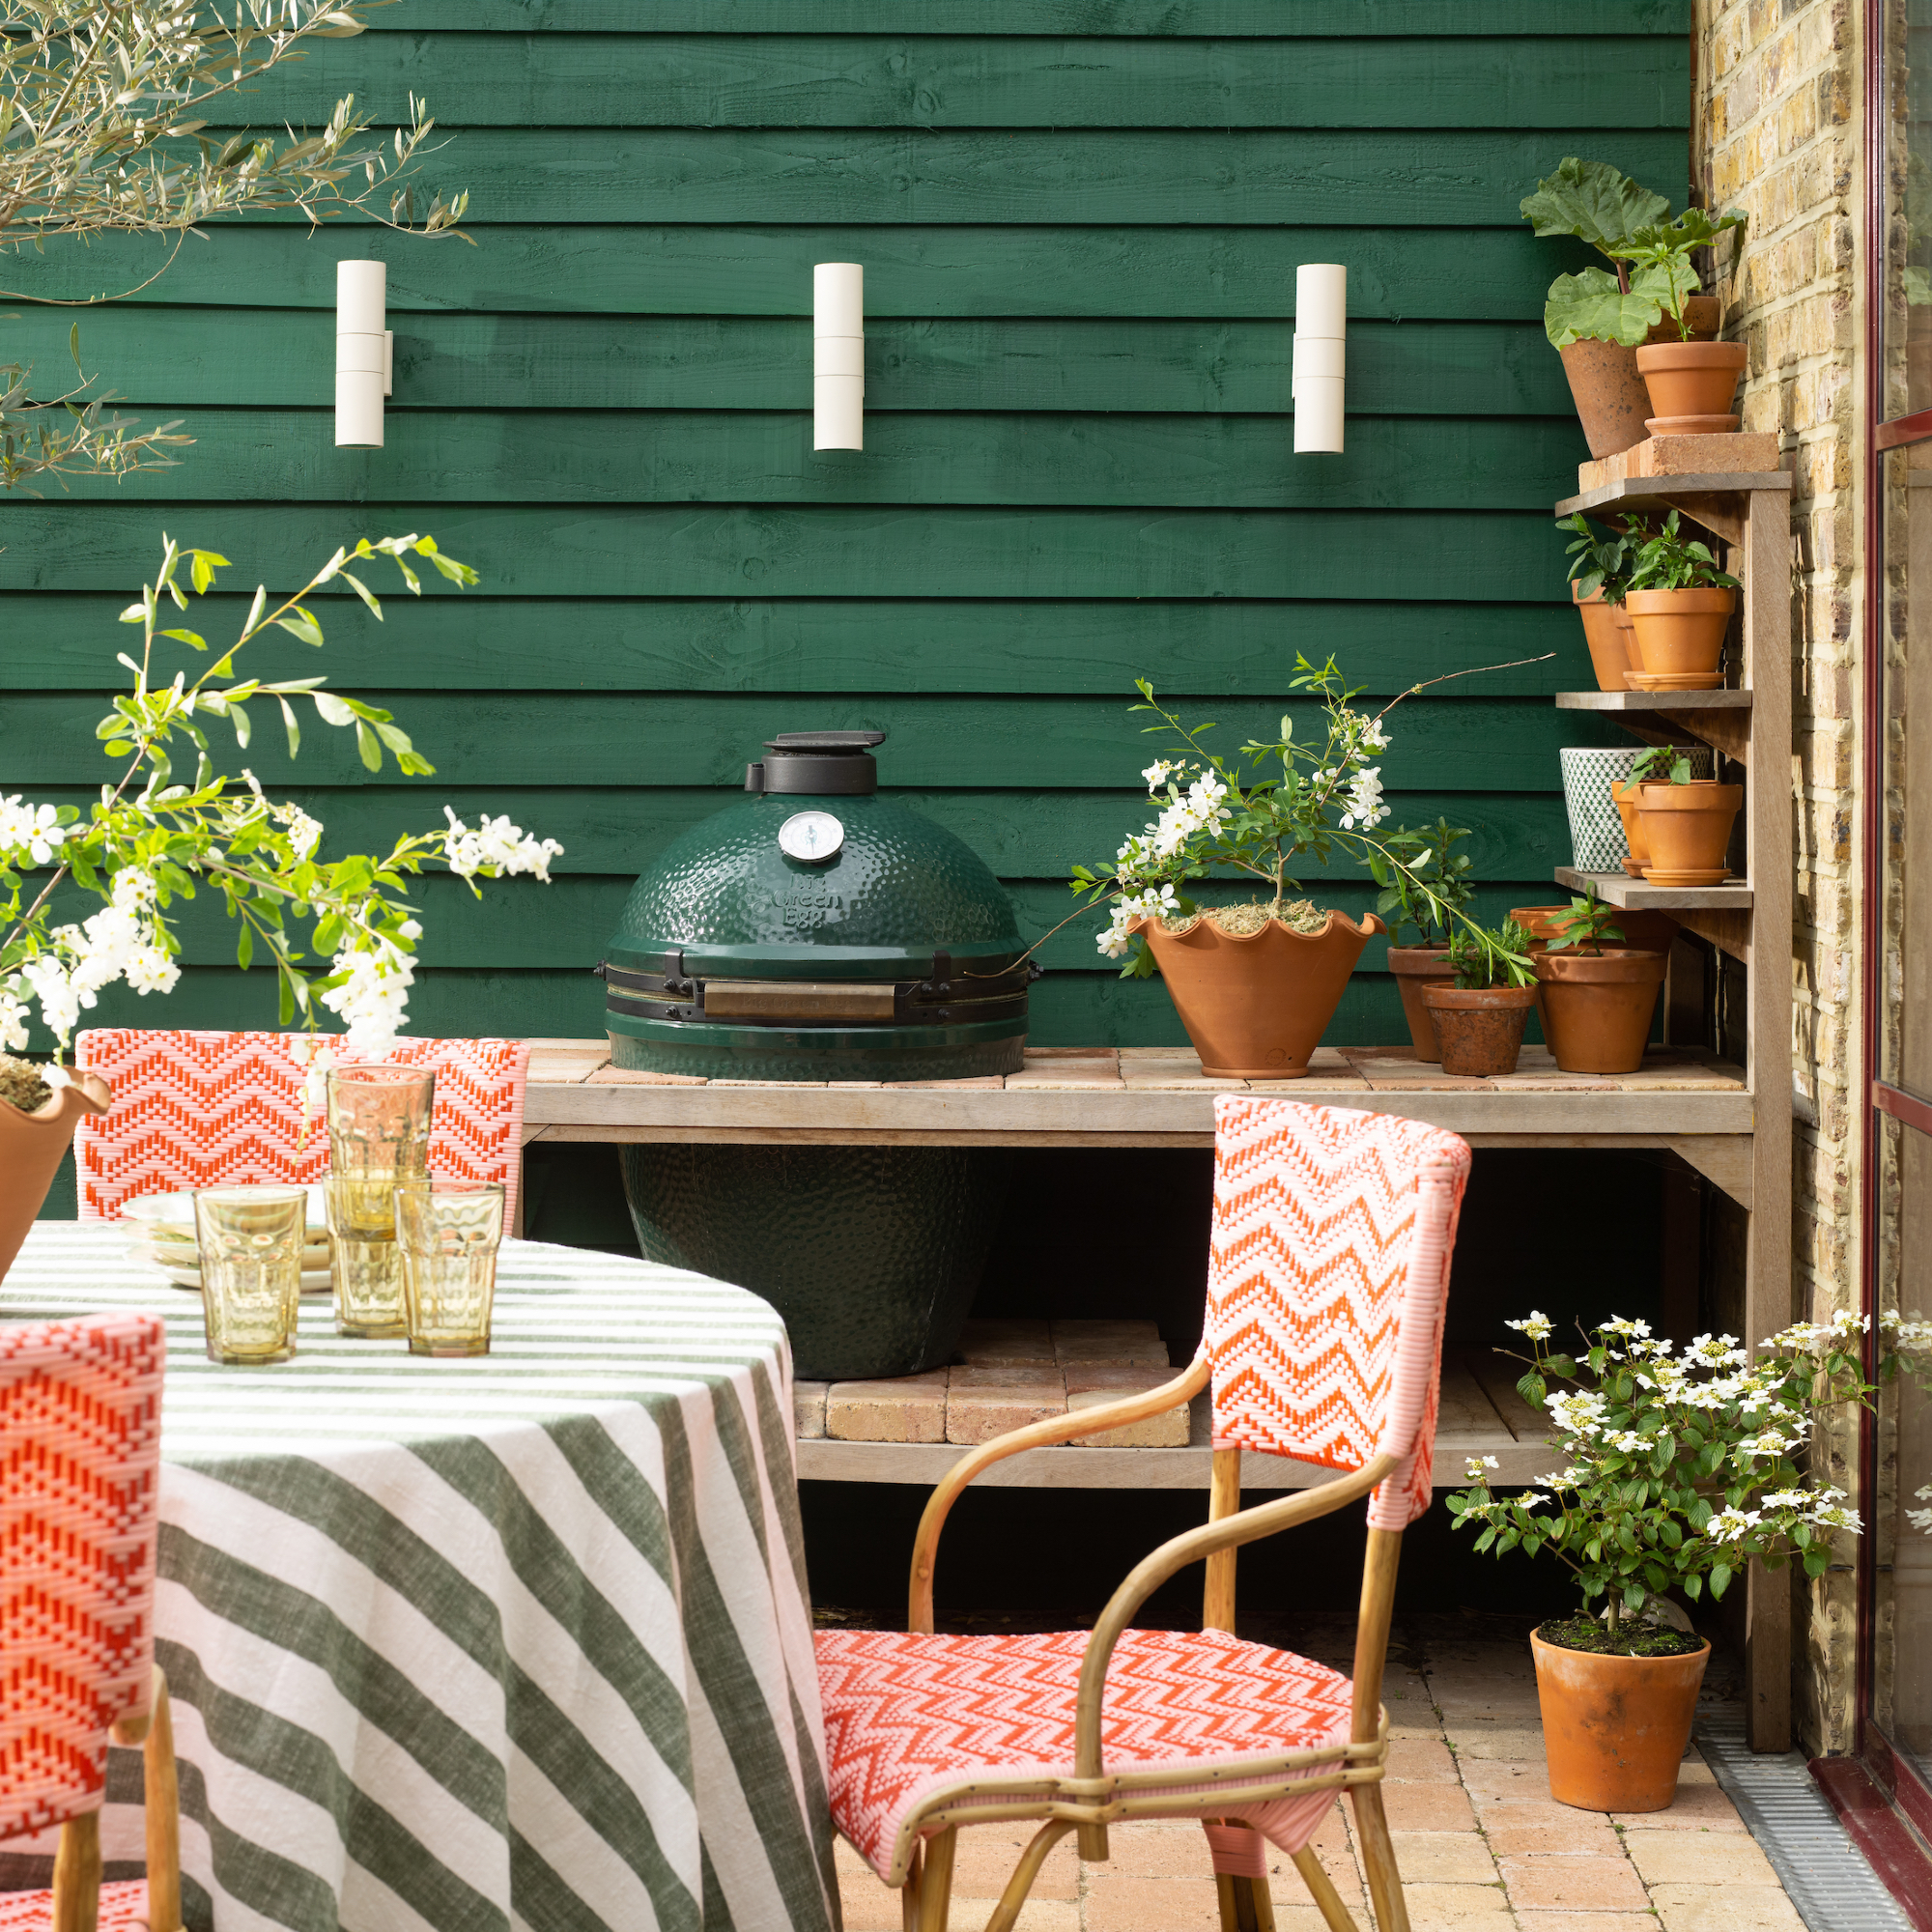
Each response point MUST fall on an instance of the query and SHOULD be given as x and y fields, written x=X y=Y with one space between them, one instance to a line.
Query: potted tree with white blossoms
x=159 y=836
x=1679 y=1469
x=1255 y=985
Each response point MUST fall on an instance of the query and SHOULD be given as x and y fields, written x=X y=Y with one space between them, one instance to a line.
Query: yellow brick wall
x=1777 y=133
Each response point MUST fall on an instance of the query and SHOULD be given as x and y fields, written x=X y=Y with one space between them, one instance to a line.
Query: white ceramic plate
x=162 y=1236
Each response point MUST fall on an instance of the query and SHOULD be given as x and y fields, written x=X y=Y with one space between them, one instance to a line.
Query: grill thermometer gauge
x=813 y=836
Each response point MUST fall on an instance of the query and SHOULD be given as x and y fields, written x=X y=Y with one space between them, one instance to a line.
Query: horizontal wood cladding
x=1049 y=267
x=1044 y=744
x=971 y=80
x=917 y=457
x=707 y=550
x=1208 y=647
x=170 y=359
x=1121 y=177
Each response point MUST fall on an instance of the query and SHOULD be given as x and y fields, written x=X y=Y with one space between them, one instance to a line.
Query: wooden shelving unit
x=1748 y=918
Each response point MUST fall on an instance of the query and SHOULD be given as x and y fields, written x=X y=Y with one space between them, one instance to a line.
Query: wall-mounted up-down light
x=838 y=355
x=364 y=354
x=1321 y=355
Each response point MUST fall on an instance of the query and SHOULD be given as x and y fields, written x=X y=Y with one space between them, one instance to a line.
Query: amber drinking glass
x=449 y=1232
x=379 y=1119
x=363 y=1255
x=251 y=1247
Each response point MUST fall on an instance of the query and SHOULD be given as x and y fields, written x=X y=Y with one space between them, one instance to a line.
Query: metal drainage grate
x=1823 y=1871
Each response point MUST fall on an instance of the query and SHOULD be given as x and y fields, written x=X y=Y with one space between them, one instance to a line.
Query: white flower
x=134 y=889
x=1158 y=773
x=1537 y=1325
x=304 y=831
x=372 y=1002
x=1533 y=1500
x=13 y=1013
x=1769 y=1443
x=1622 y=1324
x=1728 y=1526
x=1834 y=1515
x=1364 y=801
x=1567 y=1479
x=152 y=969
x=1787 y=1500
x=1478 y=1464
x=33 y=829
x=495 y=847
x=1629 y=1441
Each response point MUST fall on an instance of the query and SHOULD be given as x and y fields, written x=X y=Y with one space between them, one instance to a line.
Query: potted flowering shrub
x=1425 y=884
x=1680 y=604
x=1596 y=1005
x=157 y=837
x=1685 y=821
x=1678 y=1471
x=1598 y=318
x=1478 y=1017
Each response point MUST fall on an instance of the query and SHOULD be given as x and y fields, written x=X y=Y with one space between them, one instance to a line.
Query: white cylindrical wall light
x=1321 y=355
x=838 y=355
x=364 y=354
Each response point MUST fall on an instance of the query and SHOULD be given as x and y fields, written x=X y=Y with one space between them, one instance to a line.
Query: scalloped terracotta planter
x=1615 y=1727
x=1256 y=1005
x=1479 y=1027
x=1607 y=631
x=31 y=1149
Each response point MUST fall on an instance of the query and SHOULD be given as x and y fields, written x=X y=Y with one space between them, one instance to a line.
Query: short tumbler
x=379 y=1119
x=449 y=1232
x=252 y=1249
x=366 y=1263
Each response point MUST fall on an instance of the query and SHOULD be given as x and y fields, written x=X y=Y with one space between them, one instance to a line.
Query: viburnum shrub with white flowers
x=1678 y=1464
x=1256 y=817
x=154 y=839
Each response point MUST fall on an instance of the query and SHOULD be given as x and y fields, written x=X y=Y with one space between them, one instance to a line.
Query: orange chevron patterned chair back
x=80 y=1433
x=1327 y=1279
x=204 y=1109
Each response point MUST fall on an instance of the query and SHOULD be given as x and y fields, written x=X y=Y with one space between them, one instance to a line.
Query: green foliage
x=1588 y=923
x=1662 y=764
x=1594 y=202
x=1425 y=883
x=1484 y=957
x=1662 y=257
x=1603 y=561
x=1666 y=559
x=1593 y=305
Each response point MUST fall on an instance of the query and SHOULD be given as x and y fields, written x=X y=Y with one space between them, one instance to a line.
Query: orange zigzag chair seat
x=211 y=1109
x=123 y=1908
x=911 y=1721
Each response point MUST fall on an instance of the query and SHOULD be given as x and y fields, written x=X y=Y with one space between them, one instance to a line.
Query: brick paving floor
x=1482 y=1846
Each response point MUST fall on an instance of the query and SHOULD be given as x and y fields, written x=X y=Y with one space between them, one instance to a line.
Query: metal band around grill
x=934 y=1001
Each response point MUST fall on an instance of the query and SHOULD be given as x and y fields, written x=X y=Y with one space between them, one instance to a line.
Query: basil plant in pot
x=1255 y=985
x=1679 y=606
x=1426 y=885
x=1678 y=1470
x=1598 y=317
x=171 y=827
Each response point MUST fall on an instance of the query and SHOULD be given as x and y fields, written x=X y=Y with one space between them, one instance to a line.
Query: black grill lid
x=837 y=764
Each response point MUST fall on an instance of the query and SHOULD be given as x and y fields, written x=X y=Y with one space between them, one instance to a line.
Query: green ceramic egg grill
x=814 y=931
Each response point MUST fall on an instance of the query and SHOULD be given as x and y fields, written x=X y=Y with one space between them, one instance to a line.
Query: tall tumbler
x=379 y=1119
x=251 y=1247
x=449 y=1232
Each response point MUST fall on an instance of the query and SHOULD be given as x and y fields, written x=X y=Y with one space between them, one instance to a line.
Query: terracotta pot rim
x=1417 y=958
x=1696 y=598
x=1468 y=998
x=1637 y=957
x=1364 y=933
x=1611 y=1658
x=1691 y=355
x=89 y=1088
x=1699 y=795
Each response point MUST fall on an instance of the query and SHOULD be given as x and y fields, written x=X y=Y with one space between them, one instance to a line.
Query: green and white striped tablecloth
x=519 y=1641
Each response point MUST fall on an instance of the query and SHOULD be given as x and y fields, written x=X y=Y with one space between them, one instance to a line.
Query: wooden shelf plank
x=1619 y=889
x=1654 y=701
x=1659 y=493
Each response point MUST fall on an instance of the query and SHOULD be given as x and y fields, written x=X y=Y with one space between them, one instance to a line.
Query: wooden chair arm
x=1035 y=1436
x=1176 y=1554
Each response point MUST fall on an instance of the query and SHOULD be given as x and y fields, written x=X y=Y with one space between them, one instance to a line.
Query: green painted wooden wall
x=1080 y=223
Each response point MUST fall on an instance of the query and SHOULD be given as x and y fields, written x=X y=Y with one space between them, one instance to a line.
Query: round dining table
x=521 y=1640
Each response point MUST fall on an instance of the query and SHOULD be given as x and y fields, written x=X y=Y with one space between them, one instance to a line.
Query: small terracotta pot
x=1606 y=632
x=31 y=1149
x=1624 y=798
x=1615 y=1727
x=1415 y=967
x=1256 y=1005
x=1597 y=1007
x=1688 y=831
x=1691 y=379
x=1479 y=1027
x=1610 y=397
x=1679 y=633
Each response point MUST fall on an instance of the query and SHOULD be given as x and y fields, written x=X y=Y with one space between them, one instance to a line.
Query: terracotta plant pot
x=1606 y=632
x=1256 y=1005
x=31 y=1149
x=1479 y=1027
x=1611 y=401
x=1690 y=382
x=1624 y=797
x=1615 y=1727
x=1704 y=314
x=1643 y=931
x=1687 y=830
x=1415 y=967
x=1679 y=632
x=1597 y=1007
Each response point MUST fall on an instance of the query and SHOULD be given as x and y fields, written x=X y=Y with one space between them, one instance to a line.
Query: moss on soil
x=1241 y=920
x=1629 y=1639
x=21 y=1085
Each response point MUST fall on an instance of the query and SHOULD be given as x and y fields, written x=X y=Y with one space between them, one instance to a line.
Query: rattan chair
x=1329 y=1274
x=80 y=1426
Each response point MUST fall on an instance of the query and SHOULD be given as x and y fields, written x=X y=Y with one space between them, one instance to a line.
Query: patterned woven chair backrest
x=1327 y=1279
x=204 y=1109
x=80 y=1435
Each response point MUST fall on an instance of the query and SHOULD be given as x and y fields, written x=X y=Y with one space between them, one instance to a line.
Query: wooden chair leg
x=1321 y=1887
x=935 y=1882
x=162 y=1801
x=1007 y=1910
x=1224 y=1499
x=1379 y=1859
x=77 y=1875
x=909 y=1892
